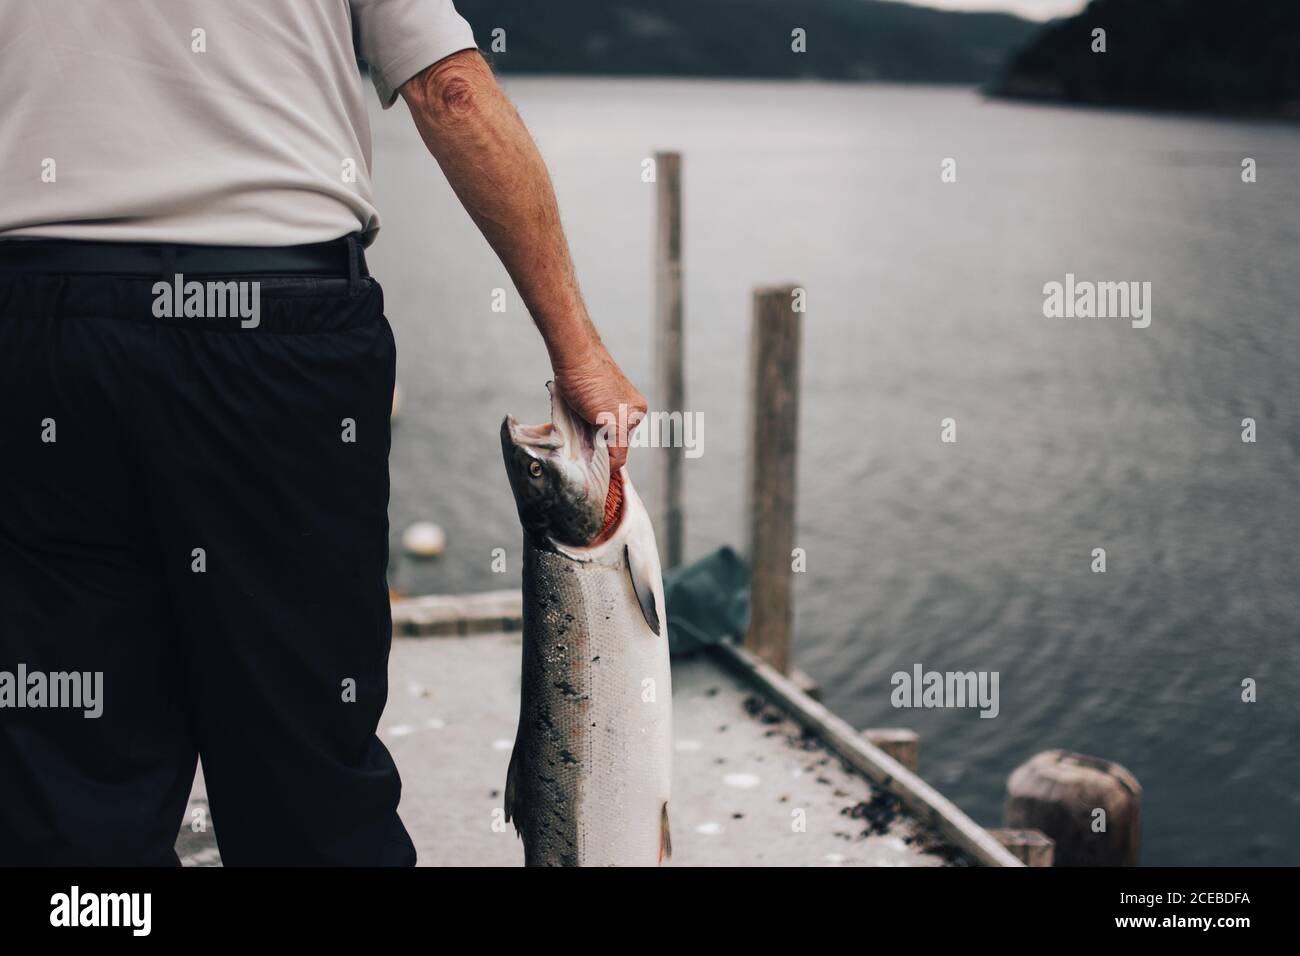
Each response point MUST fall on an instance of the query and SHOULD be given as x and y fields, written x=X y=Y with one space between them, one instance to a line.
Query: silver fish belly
x=592 y=763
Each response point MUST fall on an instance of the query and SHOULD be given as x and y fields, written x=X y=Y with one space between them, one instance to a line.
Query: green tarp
x=707 y=601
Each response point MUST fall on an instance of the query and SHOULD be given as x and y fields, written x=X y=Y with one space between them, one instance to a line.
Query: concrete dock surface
x=750 y=788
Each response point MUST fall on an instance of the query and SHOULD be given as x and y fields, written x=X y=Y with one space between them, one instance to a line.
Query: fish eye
x=535 y=468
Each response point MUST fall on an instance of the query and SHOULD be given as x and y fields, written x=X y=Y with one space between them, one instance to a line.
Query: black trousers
x=195 y=509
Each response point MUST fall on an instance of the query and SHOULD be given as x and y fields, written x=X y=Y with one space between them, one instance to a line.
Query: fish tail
x=665 y=836
x=512 y=789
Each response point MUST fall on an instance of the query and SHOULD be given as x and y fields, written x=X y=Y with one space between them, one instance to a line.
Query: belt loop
x=354 y=264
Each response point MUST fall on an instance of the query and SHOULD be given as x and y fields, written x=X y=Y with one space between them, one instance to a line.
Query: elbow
x=453 y=90
x=455 y=96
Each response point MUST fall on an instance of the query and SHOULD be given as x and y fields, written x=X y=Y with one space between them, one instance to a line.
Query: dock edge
x=928 y=805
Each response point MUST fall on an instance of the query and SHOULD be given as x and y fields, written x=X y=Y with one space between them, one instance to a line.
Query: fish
x=591 y=769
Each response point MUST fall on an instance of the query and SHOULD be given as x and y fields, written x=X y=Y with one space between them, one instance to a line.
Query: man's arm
x=489 y=158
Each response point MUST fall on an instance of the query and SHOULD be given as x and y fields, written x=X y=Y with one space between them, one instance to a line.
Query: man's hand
x=596 y=388
x=480 y=142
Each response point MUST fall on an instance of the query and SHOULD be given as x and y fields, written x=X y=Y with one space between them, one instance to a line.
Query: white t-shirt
x=225 y=122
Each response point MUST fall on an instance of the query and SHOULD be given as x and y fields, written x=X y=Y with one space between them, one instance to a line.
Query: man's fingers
x=603 y=396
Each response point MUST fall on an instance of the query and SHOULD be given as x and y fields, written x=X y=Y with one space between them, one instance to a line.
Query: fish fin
x=665 y=837
x=644 y=569
x=512 y=790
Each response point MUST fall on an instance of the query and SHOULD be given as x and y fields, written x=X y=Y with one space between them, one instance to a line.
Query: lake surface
x=925 y=302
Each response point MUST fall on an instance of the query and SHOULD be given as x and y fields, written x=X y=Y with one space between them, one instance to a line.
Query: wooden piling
x=900 y=743
x=1090 y=808
x=669 y=371
x=773 y=445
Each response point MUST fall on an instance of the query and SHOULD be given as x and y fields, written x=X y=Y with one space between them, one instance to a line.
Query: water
x=925 y=302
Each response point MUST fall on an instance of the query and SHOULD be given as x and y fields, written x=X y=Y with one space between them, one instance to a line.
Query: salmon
x=591 y=769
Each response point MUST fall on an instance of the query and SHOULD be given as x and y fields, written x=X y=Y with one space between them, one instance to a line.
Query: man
x=195 y=377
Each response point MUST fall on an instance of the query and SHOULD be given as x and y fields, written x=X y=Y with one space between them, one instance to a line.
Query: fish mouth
x=544 y=437
x=567 y=433
x=572 y=497
x=579 y=438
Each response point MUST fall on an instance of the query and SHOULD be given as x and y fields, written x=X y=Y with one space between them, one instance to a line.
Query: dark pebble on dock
x=807 y=740
x=950 y=854
x=934 y=845
x=757 y=707
x=879 y=812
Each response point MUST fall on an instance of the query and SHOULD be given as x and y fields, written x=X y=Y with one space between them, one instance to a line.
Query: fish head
x=559 y=473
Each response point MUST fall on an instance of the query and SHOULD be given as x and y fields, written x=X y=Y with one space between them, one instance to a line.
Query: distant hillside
x=847 y=39
x=1221 y=55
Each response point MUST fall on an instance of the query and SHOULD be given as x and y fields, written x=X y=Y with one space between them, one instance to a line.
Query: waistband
x=339 y=258
x=323 y=287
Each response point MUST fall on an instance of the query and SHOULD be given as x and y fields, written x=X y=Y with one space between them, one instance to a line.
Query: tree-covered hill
x=1240 y=56
x=846 y=39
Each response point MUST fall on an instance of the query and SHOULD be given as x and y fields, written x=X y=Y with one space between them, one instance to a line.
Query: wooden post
x=900 y=743
x=773 y=446
x=1090 y=808
x=670 y=385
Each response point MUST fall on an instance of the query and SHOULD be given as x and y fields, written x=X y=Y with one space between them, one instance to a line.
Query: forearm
x=489 y=158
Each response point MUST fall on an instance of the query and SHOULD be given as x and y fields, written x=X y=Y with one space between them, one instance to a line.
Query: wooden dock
x=759 y=776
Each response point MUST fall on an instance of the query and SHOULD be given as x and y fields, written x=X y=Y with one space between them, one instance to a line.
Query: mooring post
x=773 y=446
x=669 y=374
x=900 y=743
x=1090 y=808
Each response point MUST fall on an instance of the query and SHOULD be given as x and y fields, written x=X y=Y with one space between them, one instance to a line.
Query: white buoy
x=424 y=539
